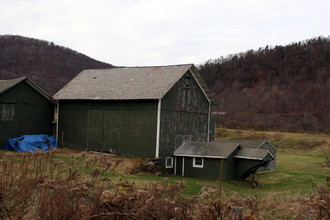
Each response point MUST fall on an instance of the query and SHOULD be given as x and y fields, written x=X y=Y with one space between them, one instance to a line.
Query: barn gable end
x=24 y=109
x=134 y=111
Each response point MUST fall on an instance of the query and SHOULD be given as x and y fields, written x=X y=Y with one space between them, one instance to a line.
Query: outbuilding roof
x=208 y=150
x=8 y=84
x=125 y=83
x=246 y=143
x=253 y=154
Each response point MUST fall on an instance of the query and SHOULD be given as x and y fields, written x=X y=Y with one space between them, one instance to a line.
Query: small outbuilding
x=218 y=160
x=24 y=109
x=259 y=144
x=136 y=111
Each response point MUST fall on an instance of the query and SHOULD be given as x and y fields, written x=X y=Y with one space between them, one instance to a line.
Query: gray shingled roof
x=253 y=154
x=208 y=150
x=126 y=83
x=246 y=144
x=7 y=84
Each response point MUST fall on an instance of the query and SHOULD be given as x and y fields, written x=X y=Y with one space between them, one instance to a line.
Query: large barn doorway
x=111 y=130
x=103 y=130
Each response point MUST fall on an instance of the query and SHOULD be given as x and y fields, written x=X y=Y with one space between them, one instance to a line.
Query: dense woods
x=49 y=65
x=282 y=87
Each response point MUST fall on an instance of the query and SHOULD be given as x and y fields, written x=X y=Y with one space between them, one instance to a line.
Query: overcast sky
x=152 y=32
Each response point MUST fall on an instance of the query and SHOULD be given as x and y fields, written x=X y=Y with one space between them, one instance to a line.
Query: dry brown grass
x=41 y=186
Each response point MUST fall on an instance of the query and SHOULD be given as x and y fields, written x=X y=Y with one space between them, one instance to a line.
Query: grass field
x=302 y=163
x=298 y=167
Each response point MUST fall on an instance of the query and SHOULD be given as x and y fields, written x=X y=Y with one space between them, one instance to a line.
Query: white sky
x=162 y=32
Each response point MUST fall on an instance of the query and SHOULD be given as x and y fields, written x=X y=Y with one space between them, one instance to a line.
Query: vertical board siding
x=210 y=170
x=184 y=116
x=124 y=127
x=24 y=111
x=270 y=166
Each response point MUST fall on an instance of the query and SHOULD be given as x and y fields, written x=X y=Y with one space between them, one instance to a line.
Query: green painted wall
x=23 y=110
x=178 y=166
x=125 y=127
x=245 y=165
x=211 y=168
x=184 y=116
x=232 y=168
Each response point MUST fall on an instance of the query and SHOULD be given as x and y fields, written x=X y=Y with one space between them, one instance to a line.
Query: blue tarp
x=31 y=143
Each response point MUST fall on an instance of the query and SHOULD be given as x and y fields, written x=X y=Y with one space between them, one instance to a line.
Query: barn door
x=111 y=130
x=95 y=130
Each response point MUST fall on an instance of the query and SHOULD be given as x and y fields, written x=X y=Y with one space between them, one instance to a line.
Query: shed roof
x=253 y=154
x=209 y=150
x=125 y=83
x=8 y=84
x=248 y=143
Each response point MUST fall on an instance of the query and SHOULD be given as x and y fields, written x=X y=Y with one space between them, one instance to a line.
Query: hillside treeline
x=49 y=65
x=282 y=87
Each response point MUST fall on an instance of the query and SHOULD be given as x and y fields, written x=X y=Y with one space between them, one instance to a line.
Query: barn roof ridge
x=132 y=67
x=127 y=83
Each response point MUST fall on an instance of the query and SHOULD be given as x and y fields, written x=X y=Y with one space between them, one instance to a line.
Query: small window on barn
x=187 y=82
x=7 y=112
x=198 y=162
x=169 y=162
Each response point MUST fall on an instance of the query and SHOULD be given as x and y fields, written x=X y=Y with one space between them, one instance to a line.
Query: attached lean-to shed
x=137 y=111
x=259 y=144
x=218 y=160
x=24 y=109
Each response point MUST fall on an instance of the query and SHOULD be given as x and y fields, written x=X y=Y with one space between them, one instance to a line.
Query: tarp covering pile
x=31 y=143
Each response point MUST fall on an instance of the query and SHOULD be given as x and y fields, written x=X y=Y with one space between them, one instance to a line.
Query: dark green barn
x=24 y=109
x=137 y=111
x=219 y=160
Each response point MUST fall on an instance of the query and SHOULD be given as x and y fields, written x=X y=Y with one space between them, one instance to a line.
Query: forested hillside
x=49 y=65
x=281 y=87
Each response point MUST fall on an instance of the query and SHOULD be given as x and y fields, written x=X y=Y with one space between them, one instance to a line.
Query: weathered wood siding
x=184 y=116
x=271 y=165
x=23 y=110
x=123 y=127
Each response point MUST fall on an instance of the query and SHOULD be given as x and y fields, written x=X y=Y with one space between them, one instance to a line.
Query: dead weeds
x=42 y=186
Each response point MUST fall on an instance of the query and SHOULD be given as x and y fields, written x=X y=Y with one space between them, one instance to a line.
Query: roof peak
x=135 y=67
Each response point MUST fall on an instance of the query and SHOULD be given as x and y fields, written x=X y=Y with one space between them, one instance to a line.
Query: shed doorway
x=103 y=131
